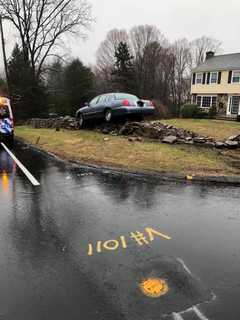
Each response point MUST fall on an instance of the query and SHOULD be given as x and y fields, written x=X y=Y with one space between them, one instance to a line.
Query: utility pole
x=4 y=54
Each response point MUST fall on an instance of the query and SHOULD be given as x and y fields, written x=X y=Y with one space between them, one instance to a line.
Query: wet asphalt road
x=50 y=267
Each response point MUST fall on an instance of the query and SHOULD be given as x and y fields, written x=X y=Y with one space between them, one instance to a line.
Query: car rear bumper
x=145 y=111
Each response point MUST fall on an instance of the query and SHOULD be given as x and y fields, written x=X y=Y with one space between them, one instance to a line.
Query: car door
x=90 y=111
x=100 y=107
x=109 y=101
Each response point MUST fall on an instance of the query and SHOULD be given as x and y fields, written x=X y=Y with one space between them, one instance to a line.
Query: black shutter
x=219 y=77
x=208 y=78
x=204 y=78
x=194 y=78
x=230 y=77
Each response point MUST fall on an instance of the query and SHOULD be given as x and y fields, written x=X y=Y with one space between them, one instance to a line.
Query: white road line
x=184 y=266
x=177 y=316
x=21 y=166
x=199 y=313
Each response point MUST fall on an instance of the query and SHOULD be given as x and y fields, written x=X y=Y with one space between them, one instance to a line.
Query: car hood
x=82 y=109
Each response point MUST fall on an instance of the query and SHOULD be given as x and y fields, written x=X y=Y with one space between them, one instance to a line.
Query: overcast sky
x=175 y=18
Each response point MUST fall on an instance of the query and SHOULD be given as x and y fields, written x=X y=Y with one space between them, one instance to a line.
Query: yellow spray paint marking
x=141 y=238
x=154 y=287
x=111 y=245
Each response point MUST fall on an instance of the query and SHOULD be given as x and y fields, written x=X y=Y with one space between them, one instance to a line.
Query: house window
x=236 y=76
x=199 y=78
x=199 y=101
x=206 y=101
x=214 y=77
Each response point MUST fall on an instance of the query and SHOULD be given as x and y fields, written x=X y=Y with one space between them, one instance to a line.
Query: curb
x=139 y=174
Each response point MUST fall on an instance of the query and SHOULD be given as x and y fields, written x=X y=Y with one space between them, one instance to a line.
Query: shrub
x=193 y=111
x=212 y=112
x=189 y=111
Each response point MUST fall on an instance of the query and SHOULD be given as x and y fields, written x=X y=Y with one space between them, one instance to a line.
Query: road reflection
x=45 y=233
x=7 y=171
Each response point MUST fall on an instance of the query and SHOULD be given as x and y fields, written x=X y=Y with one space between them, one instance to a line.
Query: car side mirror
x=86 y=104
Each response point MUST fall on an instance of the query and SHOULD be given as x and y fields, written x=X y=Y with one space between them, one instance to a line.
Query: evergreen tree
x=79 y=83
x=3 y=87
x=27 y=94
x=55 y=88
x=123 y=73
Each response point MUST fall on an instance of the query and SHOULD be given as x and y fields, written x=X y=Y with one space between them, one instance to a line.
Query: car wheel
x=108 y=115
x=81 y=121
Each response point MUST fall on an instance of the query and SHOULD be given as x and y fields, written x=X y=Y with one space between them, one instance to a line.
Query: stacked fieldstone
x=53 y=123
x=152 y=130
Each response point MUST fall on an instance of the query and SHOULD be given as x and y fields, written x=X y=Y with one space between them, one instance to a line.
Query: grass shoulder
x=95 y=148
x=217 y=129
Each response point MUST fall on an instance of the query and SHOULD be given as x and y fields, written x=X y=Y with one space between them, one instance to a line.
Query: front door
x=99 y=107
x=234 y=105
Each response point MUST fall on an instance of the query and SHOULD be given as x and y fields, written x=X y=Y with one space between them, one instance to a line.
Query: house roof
x=220 y=63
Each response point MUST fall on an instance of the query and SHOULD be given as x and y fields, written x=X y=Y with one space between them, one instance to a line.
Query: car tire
x=80 y=121
x=108 y=115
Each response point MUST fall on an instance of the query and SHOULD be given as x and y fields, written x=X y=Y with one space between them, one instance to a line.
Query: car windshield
x=4 y=112
x=122 y=96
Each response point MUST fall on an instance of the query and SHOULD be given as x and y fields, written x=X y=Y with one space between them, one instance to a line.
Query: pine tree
x=123 y=73
x=55 y=88
x=78 y=82
x=27 y=94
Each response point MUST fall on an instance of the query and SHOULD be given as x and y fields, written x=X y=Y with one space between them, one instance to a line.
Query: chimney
x=209 y=54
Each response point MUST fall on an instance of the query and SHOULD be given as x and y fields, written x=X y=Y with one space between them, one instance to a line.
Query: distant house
x=216 y=82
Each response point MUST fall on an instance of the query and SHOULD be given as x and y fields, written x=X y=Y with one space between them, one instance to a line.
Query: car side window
x=102 y=99
x=94 y=102
x=109 y=98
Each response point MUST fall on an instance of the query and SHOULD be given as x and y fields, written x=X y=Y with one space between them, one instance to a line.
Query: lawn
x=96 y=148
x=218 y=129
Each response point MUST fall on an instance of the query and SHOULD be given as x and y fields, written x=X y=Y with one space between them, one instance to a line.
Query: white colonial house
x=216 y=82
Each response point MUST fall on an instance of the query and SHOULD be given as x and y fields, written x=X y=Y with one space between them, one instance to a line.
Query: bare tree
x=42 y=23
x=106 y=51
x=161 y=70
x=141 y=36
x=200 y=46
x=182 y=69
x=106 y=58
x=146 y=42
x=152 y=55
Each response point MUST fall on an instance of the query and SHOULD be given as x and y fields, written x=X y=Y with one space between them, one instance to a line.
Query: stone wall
x=139 y=130
x=53 y=123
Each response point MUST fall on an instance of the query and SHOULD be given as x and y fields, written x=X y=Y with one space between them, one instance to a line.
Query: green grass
x=218 y=129
x=92 y=147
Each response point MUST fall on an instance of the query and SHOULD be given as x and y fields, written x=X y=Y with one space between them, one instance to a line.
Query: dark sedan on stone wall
x=106 y=107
